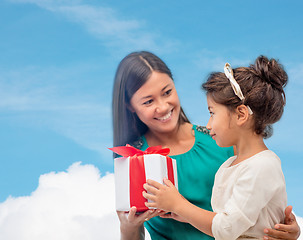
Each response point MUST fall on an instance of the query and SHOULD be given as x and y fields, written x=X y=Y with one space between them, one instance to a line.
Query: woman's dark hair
x=133 y=71
x=262 y=84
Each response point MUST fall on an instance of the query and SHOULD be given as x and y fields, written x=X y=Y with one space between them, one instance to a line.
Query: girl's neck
x=249 y=146
x=179 y=141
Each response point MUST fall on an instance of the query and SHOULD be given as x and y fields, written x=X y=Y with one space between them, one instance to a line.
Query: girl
x=249 y=192
x=147 y=112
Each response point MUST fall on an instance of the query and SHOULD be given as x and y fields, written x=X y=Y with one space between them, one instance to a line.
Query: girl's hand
x=131 y=224
x=173 y=216
x=165 y=197
x=289 y=230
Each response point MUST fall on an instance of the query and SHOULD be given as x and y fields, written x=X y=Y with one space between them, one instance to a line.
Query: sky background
x=57 y=64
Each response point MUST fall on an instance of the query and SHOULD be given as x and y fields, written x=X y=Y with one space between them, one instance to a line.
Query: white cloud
x=73 y=205
x=77 y=204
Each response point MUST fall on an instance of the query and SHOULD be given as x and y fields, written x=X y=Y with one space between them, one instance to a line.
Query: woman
x=147 y=112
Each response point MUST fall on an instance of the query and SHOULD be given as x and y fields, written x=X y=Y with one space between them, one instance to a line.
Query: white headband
x=235 y=86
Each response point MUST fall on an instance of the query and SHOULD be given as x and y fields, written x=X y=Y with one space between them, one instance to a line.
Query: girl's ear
x=242 y=114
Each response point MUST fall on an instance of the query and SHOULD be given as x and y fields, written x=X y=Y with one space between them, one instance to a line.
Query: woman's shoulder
x=201 y=133
x=201 y=129
x=138 y=143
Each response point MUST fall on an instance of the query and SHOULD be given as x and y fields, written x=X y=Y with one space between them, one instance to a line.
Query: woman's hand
x=131 y=224
x=289 y=230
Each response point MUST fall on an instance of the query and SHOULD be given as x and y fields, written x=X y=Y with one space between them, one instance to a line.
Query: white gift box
x=132 y=172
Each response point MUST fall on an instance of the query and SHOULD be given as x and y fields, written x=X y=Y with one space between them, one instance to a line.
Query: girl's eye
x=211 y=114
x=148 y=102
x=167 y=92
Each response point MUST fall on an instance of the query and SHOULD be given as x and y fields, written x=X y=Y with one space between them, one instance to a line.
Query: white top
x=248 y=197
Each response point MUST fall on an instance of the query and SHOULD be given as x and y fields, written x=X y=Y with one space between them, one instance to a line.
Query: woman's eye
x=211 y=114
x=168 y=92
x=148 y=102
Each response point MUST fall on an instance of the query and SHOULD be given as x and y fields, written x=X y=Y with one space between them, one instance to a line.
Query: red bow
x=129 y=151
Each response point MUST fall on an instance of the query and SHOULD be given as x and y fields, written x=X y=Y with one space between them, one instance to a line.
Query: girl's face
x=221 y=123
x=157 y=104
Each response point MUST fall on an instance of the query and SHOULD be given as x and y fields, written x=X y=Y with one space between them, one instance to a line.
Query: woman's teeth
x=165 y=117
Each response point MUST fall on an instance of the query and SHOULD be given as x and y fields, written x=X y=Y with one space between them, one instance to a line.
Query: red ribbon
x=137 y=171
x=129 y=151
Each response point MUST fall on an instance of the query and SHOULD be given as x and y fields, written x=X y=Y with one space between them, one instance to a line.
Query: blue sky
x=58 y=59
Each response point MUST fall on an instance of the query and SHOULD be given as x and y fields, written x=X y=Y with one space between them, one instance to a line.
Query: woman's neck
x=179 y=141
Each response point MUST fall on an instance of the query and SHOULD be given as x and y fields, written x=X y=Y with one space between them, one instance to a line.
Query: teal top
x=196 y=171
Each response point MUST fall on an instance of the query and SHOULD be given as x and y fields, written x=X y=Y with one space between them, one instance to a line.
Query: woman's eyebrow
x=163 y=89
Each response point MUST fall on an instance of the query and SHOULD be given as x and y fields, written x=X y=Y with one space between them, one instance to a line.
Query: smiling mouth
x=166 y=117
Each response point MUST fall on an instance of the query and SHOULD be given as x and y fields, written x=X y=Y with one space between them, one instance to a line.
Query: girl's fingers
x=150 y=204
x=161 y=212
x=168 y=182
x=154 y=183
x=156 y=212
x=150 y=189
x=168 y=215
x=147 y=215
x=148 y=196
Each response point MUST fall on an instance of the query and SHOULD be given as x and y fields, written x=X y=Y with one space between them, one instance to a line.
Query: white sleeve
x=254 y=188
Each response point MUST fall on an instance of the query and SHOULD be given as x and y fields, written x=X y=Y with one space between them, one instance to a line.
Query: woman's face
x=157 y=104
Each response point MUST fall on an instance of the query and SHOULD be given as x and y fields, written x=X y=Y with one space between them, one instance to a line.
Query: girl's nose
x=208 y=126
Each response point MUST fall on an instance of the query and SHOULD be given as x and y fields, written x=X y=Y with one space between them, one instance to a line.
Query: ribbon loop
x=129 y=151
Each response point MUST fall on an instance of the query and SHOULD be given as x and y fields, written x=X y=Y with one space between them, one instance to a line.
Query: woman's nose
x=162 y=107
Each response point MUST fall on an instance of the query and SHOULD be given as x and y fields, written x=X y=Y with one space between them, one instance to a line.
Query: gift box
x=134 y=168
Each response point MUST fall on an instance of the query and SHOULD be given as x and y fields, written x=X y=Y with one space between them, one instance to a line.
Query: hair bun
x=270 y=71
